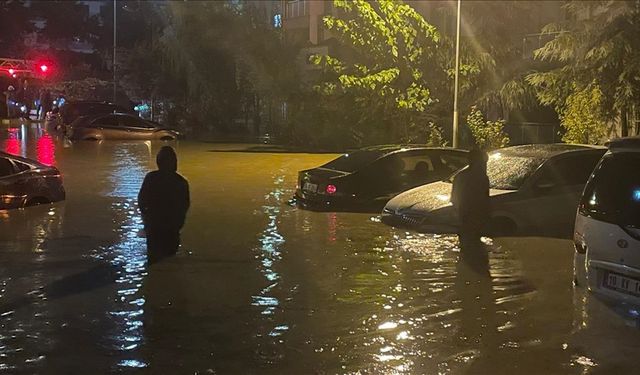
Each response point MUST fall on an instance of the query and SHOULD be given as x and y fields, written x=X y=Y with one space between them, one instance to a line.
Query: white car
x=534 y=190
x=607 y=228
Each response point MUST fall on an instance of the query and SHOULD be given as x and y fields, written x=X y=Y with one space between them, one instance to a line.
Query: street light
x=455 y=87
x=115 y=7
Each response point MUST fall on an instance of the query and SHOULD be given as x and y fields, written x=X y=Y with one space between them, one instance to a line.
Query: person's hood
x=167 y=160
x=427 y=198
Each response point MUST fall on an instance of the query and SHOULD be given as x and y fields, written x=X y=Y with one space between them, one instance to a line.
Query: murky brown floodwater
x=263 y=287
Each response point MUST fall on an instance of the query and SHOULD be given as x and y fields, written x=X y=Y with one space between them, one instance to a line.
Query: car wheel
x=502 y=226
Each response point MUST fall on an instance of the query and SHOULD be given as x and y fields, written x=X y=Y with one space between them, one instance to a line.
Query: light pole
x=455 y=87
x=114 y=50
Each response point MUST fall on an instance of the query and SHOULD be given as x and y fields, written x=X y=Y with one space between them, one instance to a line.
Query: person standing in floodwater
x=163 y=201
x=470 y=196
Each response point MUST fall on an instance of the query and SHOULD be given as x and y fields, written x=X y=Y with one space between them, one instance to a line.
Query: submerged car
x=366 y=179
x=61 y=118
x=607 y=228
x=534 y=189
x=118 y=126
x=25 y=182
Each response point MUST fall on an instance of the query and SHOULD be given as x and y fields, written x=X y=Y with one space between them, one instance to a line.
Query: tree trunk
x=624 y=122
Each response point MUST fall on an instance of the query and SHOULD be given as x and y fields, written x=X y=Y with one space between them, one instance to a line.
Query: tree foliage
x=583 y=118
x=599 y=50
x=488 y=135
x=390 y=46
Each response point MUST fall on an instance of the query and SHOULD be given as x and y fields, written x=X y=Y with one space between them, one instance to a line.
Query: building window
x=296 y=8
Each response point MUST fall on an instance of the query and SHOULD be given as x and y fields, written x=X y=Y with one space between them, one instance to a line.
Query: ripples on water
x=322 y=292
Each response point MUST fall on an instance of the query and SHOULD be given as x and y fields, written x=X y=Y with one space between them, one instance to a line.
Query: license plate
x=621 y=283
x=308 y=186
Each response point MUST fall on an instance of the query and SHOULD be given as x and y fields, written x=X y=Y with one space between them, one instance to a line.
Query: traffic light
x=43 y=68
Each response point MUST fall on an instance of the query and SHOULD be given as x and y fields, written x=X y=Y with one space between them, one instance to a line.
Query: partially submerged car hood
x=427 y=198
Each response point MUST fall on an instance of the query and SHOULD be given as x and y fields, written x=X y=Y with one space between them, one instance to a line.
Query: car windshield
x=509 y=172
x=613 y=194
x=353 y=161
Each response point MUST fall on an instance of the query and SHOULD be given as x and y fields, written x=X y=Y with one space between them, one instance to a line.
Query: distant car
x=366 y=179
x=534 y=189
x=118 y=126
x=71 y=110
x=25 y=182
x=59 y=118
x=607 y=228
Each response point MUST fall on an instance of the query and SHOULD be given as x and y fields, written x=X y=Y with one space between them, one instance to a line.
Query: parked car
x=607 y=228
x=25 y=182
x=62 y=117
x=366 y=179
x=534 y=189
x=118 y=126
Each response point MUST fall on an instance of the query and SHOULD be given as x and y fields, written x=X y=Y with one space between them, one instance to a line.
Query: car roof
x=99 y=115
x=545 y=151
x=69 y=102
x=35 y=163
x=388 y=149
x=624 y=144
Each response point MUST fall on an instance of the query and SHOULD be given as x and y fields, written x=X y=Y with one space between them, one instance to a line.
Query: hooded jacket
x=164 y=195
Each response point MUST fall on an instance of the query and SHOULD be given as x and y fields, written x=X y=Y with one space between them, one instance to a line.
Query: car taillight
x=331 y=189
x=581 y=248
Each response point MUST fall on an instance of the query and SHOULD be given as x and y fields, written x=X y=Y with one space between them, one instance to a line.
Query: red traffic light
x=44 y=68
x=11 y=71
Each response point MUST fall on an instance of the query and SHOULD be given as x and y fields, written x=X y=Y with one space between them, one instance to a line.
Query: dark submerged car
x=71 y=110
x=366 y=179
x=25 y=182
x=118 y=126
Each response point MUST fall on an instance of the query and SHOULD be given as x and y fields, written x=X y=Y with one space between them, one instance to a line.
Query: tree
x=583 y=118
x=14 y=25
x=596 y=55
x=488 y=135
x=390 y=44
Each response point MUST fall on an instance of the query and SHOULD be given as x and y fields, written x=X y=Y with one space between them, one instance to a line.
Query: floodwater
x=262 y=287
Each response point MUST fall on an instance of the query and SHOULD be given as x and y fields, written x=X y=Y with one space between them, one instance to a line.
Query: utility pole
x=455 y=88
x=115 y=7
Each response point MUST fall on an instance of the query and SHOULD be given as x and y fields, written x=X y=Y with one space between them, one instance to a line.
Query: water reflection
x=17 y=138
x=336 y=293
x=25 y=336
x=270 y=254
x=128 y=256
x=46 y=149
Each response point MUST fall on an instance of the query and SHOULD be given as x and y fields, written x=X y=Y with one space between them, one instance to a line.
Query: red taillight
x=331 y=189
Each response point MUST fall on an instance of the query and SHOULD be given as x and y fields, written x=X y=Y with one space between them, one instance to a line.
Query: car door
x=136 y=127
x=12 y=187
x=418 y=168
x=109 y=126
x=451 y=162
x=554 y=192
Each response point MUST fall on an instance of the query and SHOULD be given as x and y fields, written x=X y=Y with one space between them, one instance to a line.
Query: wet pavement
x=260 y=286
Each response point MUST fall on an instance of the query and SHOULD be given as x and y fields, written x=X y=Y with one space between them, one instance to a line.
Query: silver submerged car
x=118 y=126
x=534 y=190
